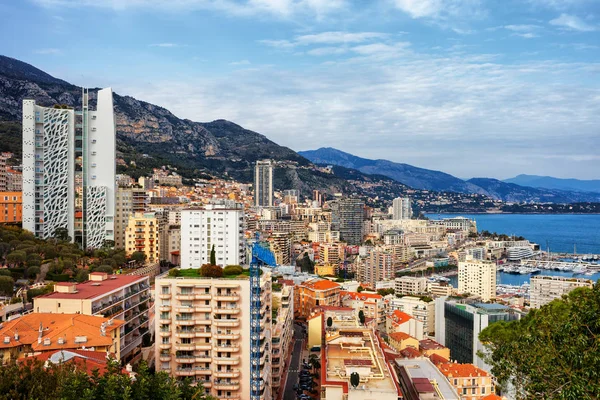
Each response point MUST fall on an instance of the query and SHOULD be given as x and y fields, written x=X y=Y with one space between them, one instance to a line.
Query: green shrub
x=233 y=270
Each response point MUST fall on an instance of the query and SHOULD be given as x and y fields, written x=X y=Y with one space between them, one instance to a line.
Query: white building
x=519 y=252
x=68 y=157
x=544 y=289
x=263 y=183
x=477 y=277
x=218 y=225
x=417 y=308
x=410 y=285
x=401 y=208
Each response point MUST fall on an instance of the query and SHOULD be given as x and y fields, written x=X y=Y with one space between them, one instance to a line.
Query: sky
x=473 y=88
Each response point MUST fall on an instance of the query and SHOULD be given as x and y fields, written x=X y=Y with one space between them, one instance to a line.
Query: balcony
x=185 y=321
x=228 y=347
x=226 y=336
x=234 y=373
x=203 y=309
x=233 y=360
x=207 y=321
x=164 y=333
x=184 y=296
x=227 y=297
x=225 y=284
x=224 y=385
x=202 y=333
x=184 y=309
x=165 y=320
x=228 y=323
x=230 y=397
x=184 y=359
x=203 y=359
x=203 y=371
x=164 y=346
x=165 y=357
x=227 y=310
x=185 y=372
x=164 y=296
x=164 y=308
x=185 y=334
x=203 y=346
x=185 y=347
x=203 y=296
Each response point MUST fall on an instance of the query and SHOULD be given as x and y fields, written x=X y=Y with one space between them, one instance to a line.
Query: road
x=292 y=374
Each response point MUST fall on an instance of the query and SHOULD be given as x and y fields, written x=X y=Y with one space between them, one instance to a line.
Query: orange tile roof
x=83 y=359
x=437 y=359
x=399 y=317
x=410 y=352
x=461 y=370
x=361 y=296
x=93 y=289
x=55 y=326
x=492 y=397
x=323 y=284
x=399 y=336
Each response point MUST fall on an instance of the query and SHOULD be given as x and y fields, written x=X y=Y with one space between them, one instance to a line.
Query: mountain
x=415 y=177
x=149 y=136
x=511 y=192
x=548 y=182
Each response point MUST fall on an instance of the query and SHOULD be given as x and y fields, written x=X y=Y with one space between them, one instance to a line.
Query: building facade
x=11 y=207
x=203 y=332
x=128 y=202
x=283 y=331
x=477 y=277
x=263 y=183
x=402 y=209
x=218 y=225
x=141 y=236
x=69 y=170
x=377 y=267
x=347 y=218
x=544 y=289
x=407 y=285
x=313 y=293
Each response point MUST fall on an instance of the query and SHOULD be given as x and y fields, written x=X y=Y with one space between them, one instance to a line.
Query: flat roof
x=93 y=289
x=422 y=368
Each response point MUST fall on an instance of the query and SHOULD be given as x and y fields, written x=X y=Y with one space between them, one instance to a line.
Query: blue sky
x=471 y=87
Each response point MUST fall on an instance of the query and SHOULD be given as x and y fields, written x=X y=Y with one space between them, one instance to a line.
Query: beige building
x=398 y=321
x=169 y=241
x=203 y=332
x=377 y=267
x=418 y=308
x=544 y=289
x=477 y=277
x=313 y=293
x=372 y=305
x=142 y=236
x=120 y=297
x=400 y=340
x=283 y=331
x=439 y=288
x=470 y=382
x=407 y=285
x=128 y=201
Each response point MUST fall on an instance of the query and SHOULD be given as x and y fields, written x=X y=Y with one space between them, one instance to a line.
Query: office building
x=69 y=170
x=218 y=225
x=141 y=236
x=203 y=332
x=119 y=297
x=347 y=218
x=458 y=325
x=401 y=208
x=263 y=183
x=11 y=207
x=478 y=278
x=544 y=289
x=128 y=202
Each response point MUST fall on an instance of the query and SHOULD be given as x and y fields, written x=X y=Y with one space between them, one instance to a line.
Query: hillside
x=152 y=136
x=549 y=182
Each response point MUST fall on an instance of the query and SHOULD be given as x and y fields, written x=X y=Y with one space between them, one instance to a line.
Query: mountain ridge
x=550 y=182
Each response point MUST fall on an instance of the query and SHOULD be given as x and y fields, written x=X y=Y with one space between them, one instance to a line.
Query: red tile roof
x=360 y=296
x=399 y=317
x=436 y=359
x=83 y=359
x=399 y=336
x=456 y=370
x=93 y=289
x=492 y=397
x=323 y=284
x=429 y=344
x=410 y=352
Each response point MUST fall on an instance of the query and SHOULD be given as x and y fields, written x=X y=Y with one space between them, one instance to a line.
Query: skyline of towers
x=263 y=183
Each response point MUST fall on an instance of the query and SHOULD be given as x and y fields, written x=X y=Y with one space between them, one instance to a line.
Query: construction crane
x=261 y=255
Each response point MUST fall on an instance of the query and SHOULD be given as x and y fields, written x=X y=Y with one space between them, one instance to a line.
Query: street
x=294 y=367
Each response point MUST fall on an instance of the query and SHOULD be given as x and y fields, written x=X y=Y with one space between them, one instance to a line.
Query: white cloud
x=440 y=8
x=572 y=22
x=527 y=35
x=48 y=51
x=327 y=51
x=522 y=28
x=241 y=62
x=338 y=37
x=167 y=45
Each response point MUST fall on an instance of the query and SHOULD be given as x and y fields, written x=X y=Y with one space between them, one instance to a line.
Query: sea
x=562 y=233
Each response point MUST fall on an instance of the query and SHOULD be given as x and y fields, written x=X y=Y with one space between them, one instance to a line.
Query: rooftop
x=421 y=371
x=93 y=289
x=399 y=317
x=360 y=296
x=429 y=344
x=320 y=284
x=456 y=370
x=400 y=336
x=87 y=360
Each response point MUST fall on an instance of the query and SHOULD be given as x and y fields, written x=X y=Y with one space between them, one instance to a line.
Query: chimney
x=40 y=333
x=16 y=335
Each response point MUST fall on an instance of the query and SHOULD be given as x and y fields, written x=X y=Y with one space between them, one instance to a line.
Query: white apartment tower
x=477 y=277
x=263 y=183
x=218 y=225
x=401 y=208
x=69 y=170
x=544 y=289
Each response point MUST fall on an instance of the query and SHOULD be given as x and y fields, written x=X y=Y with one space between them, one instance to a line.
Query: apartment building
x=263 y=183
x=422 y=309
x=169 y=241
x=347 y=218
x=128 y=202
x=439 y=288
x=398 y=321
x=407 y=285
x=11 y=207
x=544 y=289
x=315 y=292
x=400 y=341
x=142 y=236
x=372 y=305
x=203 y=332
x=378 y=266
x=477 y=277
x=283 y=331
x=118 y=297
x=218 y=225
x=402 y=209
x=34 y=333
x=470 y=382
x=281 y=246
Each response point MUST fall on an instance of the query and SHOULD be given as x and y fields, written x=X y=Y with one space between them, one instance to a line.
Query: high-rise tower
x=402 y=208
x=263 y=183
x=69 y=170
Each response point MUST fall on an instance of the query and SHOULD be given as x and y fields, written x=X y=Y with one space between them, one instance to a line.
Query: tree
x=139 y=257
x=82 y=275
x=104 y=268
x=211 y=271
x=355 y=379
x=213 y=256
x=7 y=286
x=233 y=270
x=62 y=234
x=329 y=322
x=16 y=257
x=360 y=289
x=361 y=317
x=551 y=353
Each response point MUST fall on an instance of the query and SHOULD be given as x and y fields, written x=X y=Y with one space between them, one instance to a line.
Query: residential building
x=169 y=241
x=263 y=183
x=315 y=292
x=34 y=333
x=420 y=308
x=69 y=157
x=11 y=207
x=128 y=202
x=457 y=224
x=119 y=297
x=459 y=323
x=85 y=360
x=429 y=347
x=439 y=288
x=215 y=225
x=378 y=266
x=141 y=236
x=419 y=379
x=317 y=321
x=407 y=285
x=477 y=277
x=14 y=180
x=372 y=305
x=398 y=321
x=203 y=331
x=281 y=246
x=401 y=208
x=544 y=289
x=283 y=331
x=10 y=311
x=470 y=382
x=347 y=218
x=3 y=158
x=400 y=341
